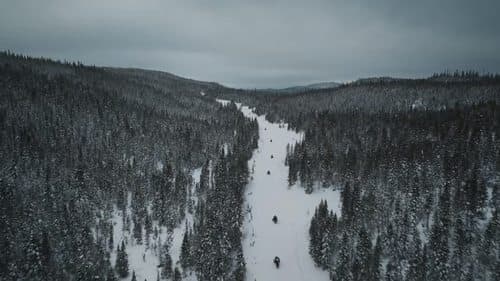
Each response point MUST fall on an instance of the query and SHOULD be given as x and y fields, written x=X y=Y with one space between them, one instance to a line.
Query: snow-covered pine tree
x=137 y=230
x=439 y=244
x=363 y=254
x=416 y=270
x=177 y=275
x=393 y=271
x=342 y=269
x=185 y=255
x=121 y=266
x=111 y=275
x=110 y=237
x=375 y=261
x=148 y=229
x=167 y=270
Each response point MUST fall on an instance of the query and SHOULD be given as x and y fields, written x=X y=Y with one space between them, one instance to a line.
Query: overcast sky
x=257 y=43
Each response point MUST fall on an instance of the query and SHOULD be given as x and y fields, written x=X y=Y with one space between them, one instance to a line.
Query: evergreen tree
x=363 y=255
x=470 y=273
x=239 y=274
x=439 y=248
x=346 y=196
x=122 y=261
x=204 y=176
x=167 y=267
x=185 y=255
x=111 y=276
x=458 y=259
x=496 y=273
x=315 y=238
x=476 y=193
x=137 y=230
x=177 y=275
x=489 y=247
x=34 y=268
x=322 y=235
x=111 y=238
x=356 y=270
x=393 y=271
x=148 y=228
x=342 y=266
x=375 y=261
x=46 y=256
x=417 y=270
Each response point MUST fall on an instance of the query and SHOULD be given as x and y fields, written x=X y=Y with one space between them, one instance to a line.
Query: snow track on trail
x=268 y=195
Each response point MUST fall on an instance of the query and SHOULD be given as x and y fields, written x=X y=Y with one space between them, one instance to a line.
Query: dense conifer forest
x=418 y=166
x=78 y=141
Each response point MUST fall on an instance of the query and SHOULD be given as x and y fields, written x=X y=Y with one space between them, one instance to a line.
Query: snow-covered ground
x=142 y=259
x=268 y=195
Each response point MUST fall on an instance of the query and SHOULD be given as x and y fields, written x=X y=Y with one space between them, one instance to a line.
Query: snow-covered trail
x=268 y=195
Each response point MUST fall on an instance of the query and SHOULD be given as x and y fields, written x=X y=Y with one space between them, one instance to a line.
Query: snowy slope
x=268 y=195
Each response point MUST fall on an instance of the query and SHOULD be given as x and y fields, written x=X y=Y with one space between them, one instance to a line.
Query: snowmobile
x=275 y=219
x=268 y=172
x=277 y=262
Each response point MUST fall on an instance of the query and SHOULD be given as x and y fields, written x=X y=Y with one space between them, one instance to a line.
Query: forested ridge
x=440 y=91
x=417 y=163
x=422 y=184
x=77 y=142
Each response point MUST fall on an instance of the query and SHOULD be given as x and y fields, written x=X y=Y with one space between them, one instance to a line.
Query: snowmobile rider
x=277 y=262
x=275 y=219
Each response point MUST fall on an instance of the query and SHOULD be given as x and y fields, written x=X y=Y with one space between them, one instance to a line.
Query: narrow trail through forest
x=268 y=194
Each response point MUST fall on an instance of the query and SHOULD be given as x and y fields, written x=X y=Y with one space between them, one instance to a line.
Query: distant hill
x=315 y=86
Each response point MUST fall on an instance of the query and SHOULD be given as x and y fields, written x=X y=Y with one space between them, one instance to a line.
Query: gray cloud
x=261 y=43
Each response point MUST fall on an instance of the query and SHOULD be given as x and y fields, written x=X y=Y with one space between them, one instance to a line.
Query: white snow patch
x=417 y=104
x=145 y=260
x=223 y=102
x=159 y=166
